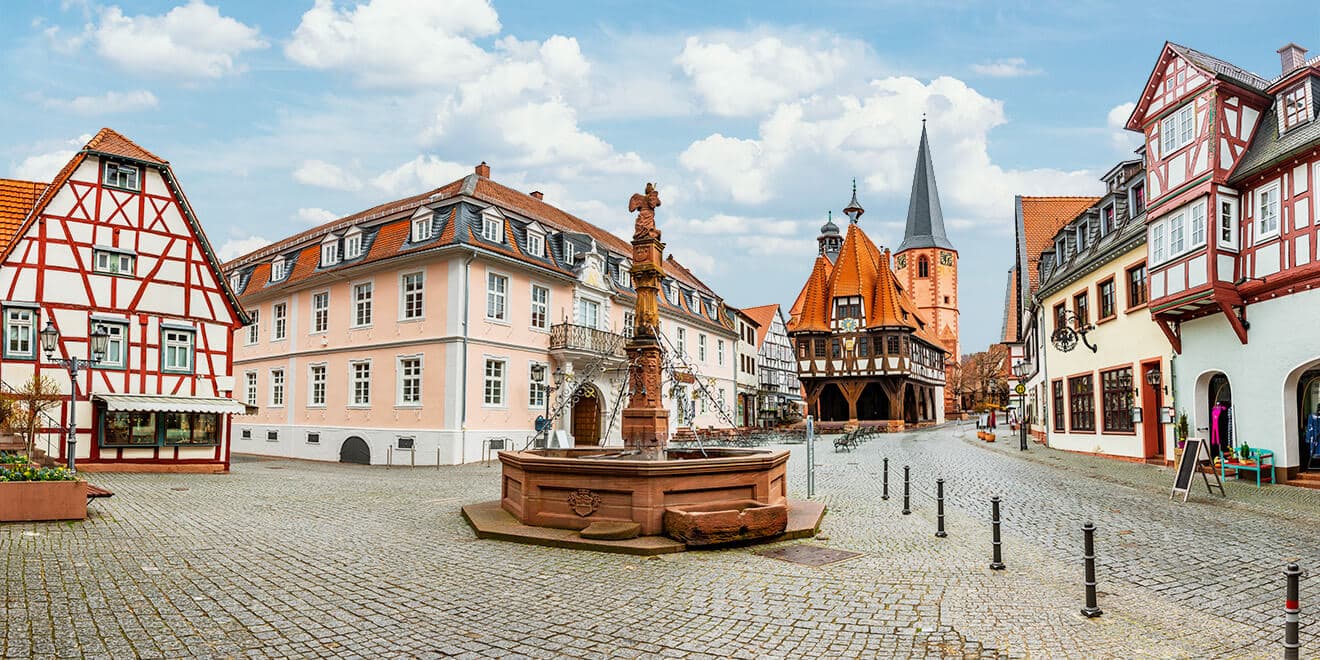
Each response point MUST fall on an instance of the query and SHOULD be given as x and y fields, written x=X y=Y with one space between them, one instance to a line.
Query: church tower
x=830 y=240
x=926 y=262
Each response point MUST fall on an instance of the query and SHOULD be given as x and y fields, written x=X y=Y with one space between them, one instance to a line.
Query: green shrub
x=14 y=472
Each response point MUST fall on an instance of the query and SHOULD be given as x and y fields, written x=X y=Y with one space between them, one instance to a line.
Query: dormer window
x=570 y=252
x=1108 y=218
x=1136 y=199
x=1079 y=237
x=1061 y=249
x=234 y=281
x=421 y=229
x=535 y=244
x=353 y=244
x=847 y=308
x=1295 y=106
x=492 y=228
x=277 y=270
x=120 y=175
x=625 y=274
x=329 y=251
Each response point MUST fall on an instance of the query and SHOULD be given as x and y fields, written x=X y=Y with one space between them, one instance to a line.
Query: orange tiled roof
x=16 y=199
x=806 y=312
x=110 y=142
x=764 y=317
x=1011 y=308
x=1041 y=219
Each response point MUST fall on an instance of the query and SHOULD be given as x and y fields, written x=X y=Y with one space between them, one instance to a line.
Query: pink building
x=412 y=332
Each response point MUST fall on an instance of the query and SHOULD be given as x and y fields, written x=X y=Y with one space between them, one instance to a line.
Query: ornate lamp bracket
x=1065 y=336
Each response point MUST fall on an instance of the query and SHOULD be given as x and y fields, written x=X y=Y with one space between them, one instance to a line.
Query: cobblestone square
x=298 y=559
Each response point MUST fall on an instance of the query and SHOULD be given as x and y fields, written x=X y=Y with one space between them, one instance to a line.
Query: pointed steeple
x=854 y=210
x=925 y=221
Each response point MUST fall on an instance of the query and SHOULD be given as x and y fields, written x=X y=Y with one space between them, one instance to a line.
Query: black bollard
x=907 y=487
x=1091 y=610
x=1292 y=609
x=996 y=558
x=939 y=509
x=885 y=495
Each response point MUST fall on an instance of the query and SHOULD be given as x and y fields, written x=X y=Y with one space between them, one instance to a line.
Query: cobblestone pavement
x=294 y=559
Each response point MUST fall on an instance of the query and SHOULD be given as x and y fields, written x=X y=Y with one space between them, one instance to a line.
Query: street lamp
x=1022 y=369
x=100 y=341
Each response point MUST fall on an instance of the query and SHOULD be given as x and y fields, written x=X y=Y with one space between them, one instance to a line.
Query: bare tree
x=24 y=409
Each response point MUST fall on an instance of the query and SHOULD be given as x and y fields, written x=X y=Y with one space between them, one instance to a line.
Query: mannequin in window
x=1221 y=428
x=1312 y=436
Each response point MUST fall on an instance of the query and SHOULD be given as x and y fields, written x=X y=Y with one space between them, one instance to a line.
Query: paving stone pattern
x=296 y=559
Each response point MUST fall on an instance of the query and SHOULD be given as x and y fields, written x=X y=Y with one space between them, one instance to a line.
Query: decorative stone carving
x=584 y=502
x=645 y=204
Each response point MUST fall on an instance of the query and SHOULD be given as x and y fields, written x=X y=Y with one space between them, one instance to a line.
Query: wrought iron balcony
x=580 y=338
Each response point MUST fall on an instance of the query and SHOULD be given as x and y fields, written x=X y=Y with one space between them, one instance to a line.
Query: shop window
x=130 y=429
x=1117 y=399
x=179 y=428
x=1081 y=403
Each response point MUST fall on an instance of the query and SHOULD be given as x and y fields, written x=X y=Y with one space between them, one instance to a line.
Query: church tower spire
x=925 y=220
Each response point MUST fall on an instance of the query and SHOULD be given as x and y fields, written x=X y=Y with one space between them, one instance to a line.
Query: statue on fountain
x=644 y=204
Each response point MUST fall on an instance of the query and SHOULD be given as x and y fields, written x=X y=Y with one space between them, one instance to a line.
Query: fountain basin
x=573 y=488
x=725 y=522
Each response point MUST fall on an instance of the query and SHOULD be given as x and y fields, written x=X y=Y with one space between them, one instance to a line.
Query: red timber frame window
x=1116 y=400
x=1136 y=285
x=1057 y=387
x=1104 y=297
x=1081 y=403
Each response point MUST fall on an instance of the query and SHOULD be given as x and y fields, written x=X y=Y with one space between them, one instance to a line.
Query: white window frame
x=494 y=387
x=329 y=253
x=1233 y=218
x=682 y=341
x=354 y=380
x=122 y=176
x=497 y=299
x=1159 y=243
x=254 y=329
x=353 y=244
x=629 y=323
x=250 y=392
x=188 y=347
x=321 y=312
x=406 y=295
x=277 y=388
x=1274 y=189
x=537 y=393
x=570 y=251
x=1196 y=224
x=719 y=351
x=33 y=315
x=114 y=262
x=701 y=346
x=422 y=229
x=491 y=227
x=583 y=304
x=542 y=307
x=317 y=385
x=360 y=303
x=1061 y=250
x=277 y=268
x=279 y=321
x=1178 y=129
x=402 y=378
x=117 y=332
x=535 y=244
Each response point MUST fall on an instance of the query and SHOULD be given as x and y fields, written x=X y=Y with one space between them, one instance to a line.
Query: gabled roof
x=1041 y=218
x=764 y=317
x=1269 y=148
x=1010 y=332
x=925 y=220
x=109 y=142
x=1208 y=64
x=16 y=200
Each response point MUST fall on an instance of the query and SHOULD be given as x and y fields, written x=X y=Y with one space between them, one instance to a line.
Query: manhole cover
x=275 y=467
x=809 y=555
x=180 y=488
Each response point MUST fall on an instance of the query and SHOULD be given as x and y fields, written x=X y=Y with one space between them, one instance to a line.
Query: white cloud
x=1122 y=139
x=1005 y=67
x=419 y=175
x=725 y=224
x=237 y=247
x=107 y=103
x=547 y=134
x=45 y=165
x=314 y=216
x=812 y=144
x=700 y=263
x=192 y=41
x=396 y=42
x=742 y=74
x=326 y=175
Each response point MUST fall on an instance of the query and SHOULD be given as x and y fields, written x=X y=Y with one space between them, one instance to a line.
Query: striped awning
x=163 y=403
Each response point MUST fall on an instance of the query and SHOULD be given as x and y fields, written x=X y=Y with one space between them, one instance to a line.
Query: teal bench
x=1264 y=459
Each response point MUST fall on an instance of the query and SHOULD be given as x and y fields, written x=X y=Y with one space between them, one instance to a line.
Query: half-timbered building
x=1233 y=160
x=112 y=244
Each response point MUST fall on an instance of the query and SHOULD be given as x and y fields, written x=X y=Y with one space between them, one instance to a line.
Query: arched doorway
x=355 y=450
x=831 y=404
x=586 y=416
x=873 y=404
x=1301 y=408
x=910 y=412
x=1214 y=411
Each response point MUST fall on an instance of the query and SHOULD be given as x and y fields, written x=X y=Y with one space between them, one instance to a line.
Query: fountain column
x=645 y=420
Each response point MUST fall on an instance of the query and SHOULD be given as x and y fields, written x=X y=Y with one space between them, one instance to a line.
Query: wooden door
x=586 y=420
x=1150 y=414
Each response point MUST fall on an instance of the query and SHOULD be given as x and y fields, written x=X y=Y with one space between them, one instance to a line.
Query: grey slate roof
x=1221 y=69
x=1268 y=147
x=925 y=220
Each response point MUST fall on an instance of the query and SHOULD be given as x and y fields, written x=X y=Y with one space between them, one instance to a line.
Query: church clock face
x=946 y=258
x=902 y=261
x=848 y=325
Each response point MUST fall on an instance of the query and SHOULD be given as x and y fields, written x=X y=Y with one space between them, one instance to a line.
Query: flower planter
x=43 y=500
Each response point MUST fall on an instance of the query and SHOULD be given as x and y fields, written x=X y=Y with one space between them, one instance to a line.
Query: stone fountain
x=625 y=500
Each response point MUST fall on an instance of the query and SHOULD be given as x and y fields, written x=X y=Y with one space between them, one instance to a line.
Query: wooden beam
x=1238 y=326
x=1173 y=334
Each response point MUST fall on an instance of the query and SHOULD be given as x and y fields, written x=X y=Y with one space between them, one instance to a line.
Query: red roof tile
x=1041 y=219
x=16 y=200
x=764 y=317
x=110 y=142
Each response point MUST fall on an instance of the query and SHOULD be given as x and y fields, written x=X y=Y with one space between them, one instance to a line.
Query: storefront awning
x=162 y=403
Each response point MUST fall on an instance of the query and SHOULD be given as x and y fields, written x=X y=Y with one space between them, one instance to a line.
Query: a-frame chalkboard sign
x=1195 y=452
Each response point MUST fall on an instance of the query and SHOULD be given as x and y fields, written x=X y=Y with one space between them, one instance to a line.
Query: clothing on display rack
x=1312 y=438
x=1221 y=428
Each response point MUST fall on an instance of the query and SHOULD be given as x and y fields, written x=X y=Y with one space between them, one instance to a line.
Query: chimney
x=1292 y=57
x=483 y=170
x=538 y=194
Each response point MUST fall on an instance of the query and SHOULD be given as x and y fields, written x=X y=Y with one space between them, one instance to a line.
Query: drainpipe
x=462 y=396
x=1173 y=398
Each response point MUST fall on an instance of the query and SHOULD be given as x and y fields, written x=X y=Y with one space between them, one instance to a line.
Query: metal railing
x=583 y=338
x=49 y=431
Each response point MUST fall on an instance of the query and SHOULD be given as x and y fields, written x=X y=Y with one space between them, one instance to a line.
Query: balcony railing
x=567 y=336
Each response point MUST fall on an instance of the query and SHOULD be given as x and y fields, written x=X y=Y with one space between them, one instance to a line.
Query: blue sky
x=753 y=117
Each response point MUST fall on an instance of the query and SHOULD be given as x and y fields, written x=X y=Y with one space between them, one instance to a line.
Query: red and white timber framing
x=176 y=282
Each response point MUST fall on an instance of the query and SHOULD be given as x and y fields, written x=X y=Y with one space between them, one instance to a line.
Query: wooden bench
x=1261 y=459
x=94 y=492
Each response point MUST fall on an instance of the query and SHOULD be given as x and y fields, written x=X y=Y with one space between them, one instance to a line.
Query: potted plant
x=29 y=492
